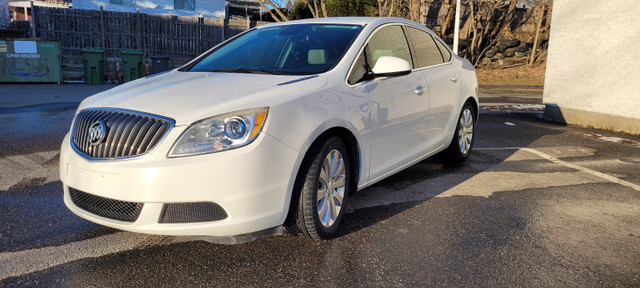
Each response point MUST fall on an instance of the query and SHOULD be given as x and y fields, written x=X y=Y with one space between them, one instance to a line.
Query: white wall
x=593 y=68
x=205 y=8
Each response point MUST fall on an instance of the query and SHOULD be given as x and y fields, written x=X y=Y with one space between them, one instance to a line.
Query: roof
x=346 y=20
x=26 y=3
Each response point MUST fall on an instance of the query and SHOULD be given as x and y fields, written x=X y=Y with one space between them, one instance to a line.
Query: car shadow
x=412 y=186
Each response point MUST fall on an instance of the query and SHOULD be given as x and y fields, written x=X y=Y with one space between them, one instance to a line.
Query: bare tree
x=323 y=4
x=282 y=16
x=383 y=8
x=269 y=10
x=314 y=12
x=481 y=26
x=542 y=7
x=474 y=29
x=450 y=13
x=505 y=20
x=414 y=8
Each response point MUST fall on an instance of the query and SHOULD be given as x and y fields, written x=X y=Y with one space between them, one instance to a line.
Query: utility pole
x=456 y=28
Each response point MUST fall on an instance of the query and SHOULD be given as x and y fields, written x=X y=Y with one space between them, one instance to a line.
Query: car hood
x=191 y=96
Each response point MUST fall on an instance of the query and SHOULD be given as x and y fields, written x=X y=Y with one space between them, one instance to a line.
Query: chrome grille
x=128 y=133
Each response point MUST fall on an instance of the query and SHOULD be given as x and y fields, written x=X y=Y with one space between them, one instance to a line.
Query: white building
x=203 y=8
x=592 y=67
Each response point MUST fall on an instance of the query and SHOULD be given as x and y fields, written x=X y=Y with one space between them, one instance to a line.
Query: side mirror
x=390 y=66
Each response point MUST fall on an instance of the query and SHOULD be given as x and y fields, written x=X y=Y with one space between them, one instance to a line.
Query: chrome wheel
x=331 y=188
x=465 y=131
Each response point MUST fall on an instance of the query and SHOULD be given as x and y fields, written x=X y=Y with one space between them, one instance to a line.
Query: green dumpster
x=131 y=64
x=93 y=60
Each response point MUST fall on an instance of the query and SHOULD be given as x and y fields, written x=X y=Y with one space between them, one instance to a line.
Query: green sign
x=30 y=61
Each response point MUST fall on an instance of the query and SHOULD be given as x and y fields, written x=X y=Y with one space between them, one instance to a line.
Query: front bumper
x=252 y=184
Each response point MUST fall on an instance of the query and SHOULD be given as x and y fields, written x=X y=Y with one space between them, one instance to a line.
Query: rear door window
x=426 y=51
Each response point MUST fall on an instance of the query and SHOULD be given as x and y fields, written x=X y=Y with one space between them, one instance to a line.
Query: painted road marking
x=34 y=260
x=572 y=166
x=20 y=168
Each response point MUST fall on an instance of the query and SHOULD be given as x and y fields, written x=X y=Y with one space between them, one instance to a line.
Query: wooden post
x=138 y=30
x=33 y=21
x=224 y=26
x=146 y=35
x=199 y=34
x=104 y=44
x=171 y=40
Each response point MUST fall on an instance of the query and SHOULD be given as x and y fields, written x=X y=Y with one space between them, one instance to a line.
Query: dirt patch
x=506 y=73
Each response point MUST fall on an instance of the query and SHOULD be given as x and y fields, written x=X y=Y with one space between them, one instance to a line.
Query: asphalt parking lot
x=538 y=204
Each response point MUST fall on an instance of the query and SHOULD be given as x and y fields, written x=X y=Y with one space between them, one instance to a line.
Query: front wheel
x=462 y=142
x=324 y=191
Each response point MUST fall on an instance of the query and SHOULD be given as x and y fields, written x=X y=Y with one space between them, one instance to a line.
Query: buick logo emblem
x=97 y=133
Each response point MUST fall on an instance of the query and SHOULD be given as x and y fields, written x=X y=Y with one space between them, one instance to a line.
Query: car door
x=399 y=105
x=434 y=61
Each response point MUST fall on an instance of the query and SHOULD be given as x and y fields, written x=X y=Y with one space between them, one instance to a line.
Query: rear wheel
x=462 y=142
x=324 y=191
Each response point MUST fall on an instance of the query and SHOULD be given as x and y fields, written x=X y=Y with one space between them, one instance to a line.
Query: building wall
x=204 y=8
x=593 y=63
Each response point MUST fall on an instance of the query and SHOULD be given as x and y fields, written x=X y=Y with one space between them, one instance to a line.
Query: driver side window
x=388 y=41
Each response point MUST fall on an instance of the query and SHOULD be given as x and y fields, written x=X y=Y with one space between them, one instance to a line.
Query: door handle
x=419 y=90
x=454 y=78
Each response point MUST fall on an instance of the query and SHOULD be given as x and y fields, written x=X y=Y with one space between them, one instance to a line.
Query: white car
x=273 y=128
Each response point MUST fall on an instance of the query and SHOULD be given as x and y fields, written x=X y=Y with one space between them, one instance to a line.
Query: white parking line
x=570 y=165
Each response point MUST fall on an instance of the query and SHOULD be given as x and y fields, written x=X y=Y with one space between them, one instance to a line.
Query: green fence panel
x=29 y=61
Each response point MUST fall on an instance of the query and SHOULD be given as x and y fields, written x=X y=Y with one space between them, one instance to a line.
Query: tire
x=462 y=142
x=324 y=190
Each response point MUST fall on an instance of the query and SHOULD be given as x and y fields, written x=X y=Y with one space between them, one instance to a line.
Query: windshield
x=299 y=49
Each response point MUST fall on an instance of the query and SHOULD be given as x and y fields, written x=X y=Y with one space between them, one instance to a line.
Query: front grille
x=192 y=212
x=127 y=133
x=105 y=207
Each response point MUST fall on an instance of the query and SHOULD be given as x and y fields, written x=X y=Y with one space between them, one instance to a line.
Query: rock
x=501 y=49
x=490 y=54
x=510 y=52
x=499 y=56
x=486 y=61
x=508 y=42
x=523 y=47
x=522 y=54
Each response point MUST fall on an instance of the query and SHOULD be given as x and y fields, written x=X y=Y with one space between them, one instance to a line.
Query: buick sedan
x=275 y=128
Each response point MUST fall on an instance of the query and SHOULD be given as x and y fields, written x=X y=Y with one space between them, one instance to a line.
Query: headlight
x=220 y=133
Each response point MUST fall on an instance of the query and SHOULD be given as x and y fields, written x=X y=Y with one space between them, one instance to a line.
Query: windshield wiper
x=244 y=70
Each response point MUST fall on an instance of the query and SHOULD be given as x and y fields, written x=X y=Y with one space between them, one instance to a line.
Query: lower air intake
x=105 y=207
x=192 y=212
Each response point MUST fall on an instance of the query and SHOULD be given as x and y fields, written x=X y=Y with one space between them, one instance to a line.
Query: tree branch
x=283 y=17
